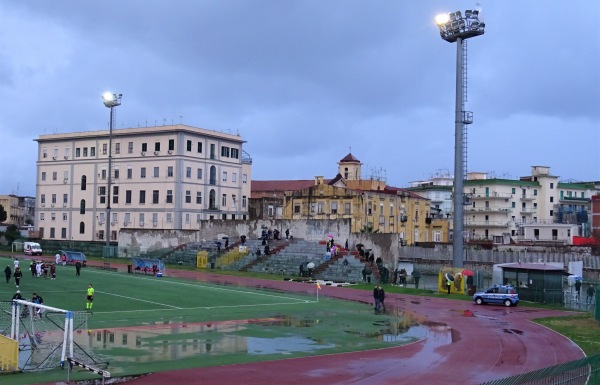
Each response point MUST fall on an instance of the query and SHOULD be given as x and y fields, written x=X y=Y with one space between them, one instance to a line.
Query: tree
x=12 y=233
x=3 y=215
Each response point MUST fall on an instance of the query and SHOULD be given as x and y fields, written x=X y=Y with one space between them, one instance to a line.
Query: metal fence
x=579 y=372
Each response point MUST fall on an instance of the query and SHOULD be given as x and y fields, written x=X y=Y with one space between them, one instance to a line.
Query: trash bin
x=212 y=265
x=472 y=290
x=130 y=269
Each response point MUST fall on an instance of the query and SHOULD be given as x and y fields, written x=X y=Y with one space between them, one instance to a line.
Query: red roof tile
x=349 y=159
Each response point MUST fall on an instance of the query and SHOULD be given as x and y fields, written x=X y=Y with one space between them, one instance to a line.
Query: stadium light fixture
x=111 y=101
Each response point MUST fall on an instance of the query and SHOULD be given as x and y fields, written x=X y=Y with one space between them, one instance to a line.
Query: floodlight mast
x=454 y=27
x=110 y=101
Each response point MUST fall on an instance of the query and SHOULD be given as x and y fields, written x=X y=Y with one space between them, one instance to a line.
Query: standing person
x=578 y=288
x=78 y=268
x=53 y=271
x=8 y=273
x=16 y=263
x=39 y=300
x=448 y=284
x=57 y=258
x=32 y=268
x=287 y=234
x=376 y=298
x=17 y=274
x=89 y=297
x=590 y=294
x=17 y=295
x=382 y=297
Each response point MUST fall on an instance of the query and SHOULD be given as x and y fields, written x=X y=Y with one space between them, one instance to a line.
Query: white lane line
x=140 y=300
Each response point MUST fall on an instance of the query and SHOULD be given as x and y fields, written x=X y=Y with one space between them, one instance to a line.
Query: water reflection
x=280 y=334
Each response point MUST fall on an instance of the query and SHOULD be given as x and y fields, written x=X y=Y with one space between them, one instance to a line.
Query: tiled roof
x=283 y=185
x=349 y=159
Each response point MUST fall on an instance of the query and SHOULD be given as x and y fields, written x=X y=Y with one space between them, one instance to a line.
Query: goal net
x=46 y=335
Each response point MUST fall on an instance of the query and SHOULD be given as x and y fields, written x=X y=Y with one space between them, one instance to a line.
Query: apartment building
x=164 y=177
x=533 y=208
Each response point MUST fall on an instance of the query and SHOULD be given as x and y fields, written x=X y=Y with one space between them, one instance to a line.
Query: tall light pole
x=111 y=101
x=454 y=27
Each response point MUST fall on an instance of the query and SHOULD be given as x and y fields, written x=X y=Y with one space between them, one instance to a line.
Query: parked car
x=499 y=294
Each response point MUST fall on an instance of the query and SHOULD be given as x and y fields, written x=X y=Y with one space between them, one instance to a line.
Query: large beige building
x=166 y=177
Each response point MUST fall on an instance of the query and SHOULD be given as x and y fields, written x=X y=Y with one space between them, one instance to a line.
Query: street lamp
x=454 y=27
x=111 y=101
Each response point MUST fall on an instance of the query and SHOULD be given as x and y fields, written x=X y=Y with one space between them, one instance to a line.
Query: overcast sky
x=304 y=81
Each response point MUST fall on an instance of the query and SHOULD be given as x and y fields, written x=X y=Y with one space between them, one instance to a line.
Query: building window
x=83 y=182
x=53 y=201
x=117 y=148
x=143 y=172
x=188 y=196
x=296 y=209
x=213 y=175
x=244 y=178
x=85 y=152
x=188 y=172
x=42 y=216
x=225 y=151
x=212 y=200
x=347 y=208
x=224 y=176
x=199 y=147
x=212 y=151
x=142 y=197
x=54 y=175
x=130 y=148
x=244 y=201
x=116 y=173
x=155 y=197
x=169 y=196
x=129 y=172
x=141 y=219
x=188 y=145
x=92 y=151
x=437 y=236
x=103 y=174
x=334 y=207
x=65 y=199
x=170 y=171
x=551 y=186
x=43 y=199
x=127 y=197
x=235 y=153
x=81 y=227
x=198 y=198
x=77 y=152
x=551 y=213
x=320 y=208
x=224 y=201
x=199 y=173
x=82 y=206
x=234 y=177
x=156 y=172
x=144 y=147
x=155 y=219
x=157 y=146
x=104 y=148
x=127 y=218
x=233 y=199
x=43 y=175
x=169 y=217
x=551 y=199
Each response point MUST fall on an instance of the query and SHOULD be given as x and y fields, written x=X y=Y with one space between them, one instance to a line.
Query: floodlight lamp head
x=111 y=100
x=442 y=19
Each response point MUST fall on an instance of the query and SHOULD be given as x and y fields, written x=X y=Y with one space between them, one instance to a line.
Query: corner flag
x=318 y=286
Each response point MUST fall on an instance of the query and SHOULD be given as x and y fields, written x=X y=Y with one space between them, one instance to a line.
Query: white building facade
x=165 y=177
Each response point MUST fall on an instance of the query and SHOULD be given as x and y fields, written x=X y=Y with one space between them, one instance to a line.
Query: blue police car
x=499 y=294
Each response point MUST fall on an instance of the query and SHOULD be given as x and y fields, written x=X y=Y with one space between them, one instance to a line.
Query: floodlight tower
x=111 y=101
x=454 y=27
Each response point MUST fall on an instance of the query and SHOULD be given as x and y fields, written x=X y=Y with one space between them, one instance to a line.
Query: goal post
x=46 y=335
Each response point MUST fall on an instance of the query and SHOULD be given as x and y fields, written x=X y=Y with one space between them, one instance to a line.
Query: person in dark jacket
x=381 y=297
x=18 y=275
x=8 y=273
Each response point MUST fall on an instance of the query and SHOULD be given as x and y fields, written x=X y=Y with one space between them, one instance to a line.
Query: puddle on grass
x=279 y=334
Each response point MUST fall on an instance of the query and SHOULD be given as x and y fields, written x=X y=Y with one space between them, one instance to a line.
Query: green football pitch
x=144 y=324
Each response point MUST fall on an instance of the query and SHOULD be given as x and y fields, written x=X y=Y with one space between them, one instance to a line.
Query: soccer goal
x=46 y=335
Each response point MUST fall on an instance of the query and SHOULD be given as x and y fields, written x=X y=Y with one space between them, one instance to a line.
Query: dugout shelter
x=147 y=266
x=73 y=257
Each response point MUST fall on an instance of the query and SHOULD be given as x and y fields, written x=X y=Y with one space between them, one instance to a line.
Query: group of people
x=17 y=274
x=379 y=298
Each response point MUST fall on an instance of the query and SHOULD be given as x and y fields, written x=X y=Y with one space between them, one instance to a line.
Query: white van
x=32 y=248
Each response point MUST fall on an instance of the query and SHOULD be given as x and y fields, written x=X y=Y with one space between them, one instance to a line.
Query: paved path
x=495 y=342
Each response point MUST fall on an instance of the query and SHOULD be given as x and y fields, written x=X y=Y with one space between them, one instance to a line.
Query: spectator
x=287 y=234
x=17 y=295
x=8 y=273
x=78 y=268
x=578 y=288
x=17 y=274
x=590 y=294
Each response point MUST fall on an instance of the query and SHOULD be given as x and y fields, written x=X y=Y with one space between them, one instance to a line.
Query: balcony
x=488 y=209
x=527 y=197
x=527 y=211
x=574 y=199
x=492 y=195
x=489 y=224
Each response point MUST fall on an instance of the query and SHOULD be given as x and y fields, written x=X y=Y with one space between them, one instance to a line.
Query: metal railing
x=578 y=372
